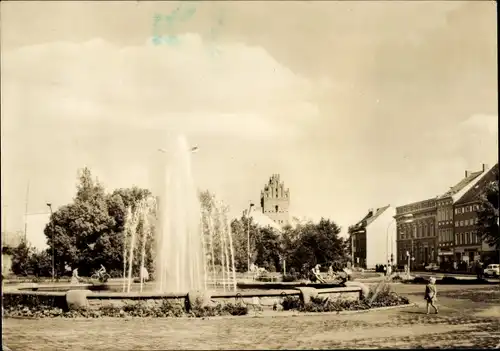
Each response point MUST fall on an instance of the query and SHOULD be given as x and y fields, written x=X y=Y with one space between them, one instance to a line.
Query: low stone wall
x=81 y=297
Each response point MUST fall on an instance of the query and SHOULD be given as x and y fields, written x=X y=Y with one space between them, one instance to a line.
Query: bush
x=229 y=309
x=291 y=303
x=385 y=297
x=291 y=277
x=34 y=308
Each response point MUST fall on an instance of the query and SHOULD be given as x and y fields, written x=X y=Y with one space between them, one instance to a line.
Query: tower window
x=277 y=208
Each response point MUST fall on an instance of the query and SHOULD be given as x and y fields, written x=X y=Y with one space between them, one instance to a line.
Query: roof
x=264 y=221
x=473 y=193
x=369 y=218
x=461 y=185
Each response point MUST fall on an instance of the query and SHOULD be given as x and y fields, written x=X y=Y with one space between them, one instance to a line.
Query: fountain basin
x=97 y=296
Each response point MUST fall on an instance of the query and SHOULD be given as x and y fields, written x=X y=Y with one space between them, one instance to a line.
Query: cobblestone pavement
x=461 y=323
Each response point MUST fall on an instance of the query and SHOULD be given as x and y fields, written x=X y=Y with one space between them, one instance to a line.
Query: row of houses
x=441 y=229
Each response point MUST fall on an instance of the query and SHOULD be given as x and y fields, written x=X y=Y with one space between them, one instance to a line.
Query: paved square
x=463 y=321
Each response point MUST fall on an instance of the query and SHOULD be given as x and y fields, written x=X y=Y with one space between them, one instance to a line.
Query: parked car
x=492 y=270
x=432 y=267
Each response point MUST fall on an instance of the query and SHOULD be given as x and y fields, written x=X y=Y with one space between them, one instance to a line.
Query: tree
x=21 y=259
x=317 y=244
x=488 y=228
x=241 y=230
x=89 y=231
x=269 y=249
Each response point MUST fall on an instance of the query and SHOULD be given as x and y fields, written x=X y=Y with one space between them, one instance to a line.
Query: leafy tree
x=269 y=249
x=317 y=244
x=41 y=263
x=488 y=228
x=241 y=230
x=21 y=259
x=89 y=231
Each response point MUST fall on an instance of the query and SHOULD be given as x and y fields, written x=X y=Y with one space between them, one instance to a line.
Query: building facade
x=373 y=238
x=416 y=233
x=446 y=213
x=275 y=200
x=468 y=246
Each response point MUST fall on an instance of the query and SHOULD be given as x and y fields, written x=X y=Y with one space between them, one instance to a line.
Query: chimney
x=485 y=167
x=467 y=173
x=371 y=211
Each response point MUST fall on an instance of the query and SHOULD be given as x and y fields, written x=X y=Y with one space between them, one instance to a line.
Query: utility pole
x=53 y=245
x=26 y=211
x=248 y=236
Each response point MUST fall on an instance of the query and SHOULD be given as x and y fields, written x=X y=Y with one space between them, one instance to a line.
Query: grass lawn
x=462 y=322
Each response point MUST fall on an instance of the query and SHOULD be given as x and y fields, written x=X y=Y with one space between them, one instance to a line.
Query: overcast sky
x=356 y=104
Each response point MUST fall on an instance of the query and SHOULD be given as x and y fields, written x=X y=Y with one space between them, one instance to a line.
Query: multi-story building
x=275 y=200
x=468 y=247
x=416 y=233
x=445 y=218
x=373 y=238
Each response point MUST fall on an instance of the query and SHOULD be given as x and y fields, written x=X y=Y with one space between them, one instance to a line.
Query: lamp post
x=49 y=205
x=248 y=236
x=409 y=219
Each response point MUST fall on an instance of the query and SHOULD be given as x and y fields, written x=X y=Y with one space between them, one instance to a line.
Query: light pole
x=248 y=236
x=409 y=219
x=49 y=205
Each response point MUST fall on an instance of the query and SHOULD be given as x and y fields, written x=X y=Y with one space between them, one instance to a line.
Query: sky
x=355 y=104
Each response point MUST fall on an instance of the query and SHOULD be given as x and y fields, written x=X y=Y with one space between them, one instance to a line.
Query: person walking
x=431 y=295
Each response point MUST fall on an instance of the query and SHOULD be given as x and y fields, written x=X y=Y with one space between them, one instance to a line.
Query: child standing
x=431 y=294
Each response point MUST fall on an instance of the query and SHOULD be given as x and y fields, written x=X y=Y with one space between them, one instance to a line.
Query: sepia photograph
x=249 y=175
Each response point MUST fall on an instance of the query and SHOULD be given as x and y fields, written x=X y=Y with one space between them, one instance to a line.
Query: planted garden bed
x=385 y=298
x=50 y=309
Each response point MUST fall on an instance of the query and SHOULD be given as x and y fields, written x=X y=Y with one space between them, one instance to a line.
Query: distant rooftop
x=371 y=216
x=461 y=184
x=473 y=193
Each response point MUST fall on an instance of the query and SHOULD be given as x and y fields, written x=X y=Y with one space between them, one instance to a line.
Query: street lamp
x=409 y=219
x=248 y=236
x=49 y=205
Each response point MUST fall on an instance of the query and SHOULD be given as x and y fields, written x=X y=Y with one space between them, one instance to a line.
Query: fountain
x=192 y=248
x=193 y=243
x=179 y=252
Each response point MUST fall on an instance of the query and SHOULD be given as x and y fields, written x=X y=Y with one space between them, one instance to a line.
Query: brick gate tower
x=275 y=200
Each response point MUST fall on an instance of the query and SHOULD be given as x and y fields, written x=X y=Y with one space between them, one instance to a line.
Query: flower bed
x=45 y=309
x=384 y=298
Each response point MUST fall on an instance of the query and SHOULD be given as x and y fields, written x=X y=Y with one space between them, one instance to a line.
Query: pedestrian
x=431 y=295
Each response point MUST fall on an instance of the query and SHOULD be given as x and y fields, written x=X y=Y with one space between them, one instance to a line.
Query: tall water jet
x=179 y=252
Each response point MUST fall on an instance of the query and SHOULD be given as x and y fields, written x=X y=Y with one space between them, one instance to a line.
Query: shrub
x=35 y=309
x=291 y=277
x=291 y=303
x=385 y=297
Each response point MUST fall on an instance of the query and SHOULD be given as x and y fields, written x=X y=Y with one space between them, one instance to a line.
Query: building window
x=461 y=223
x=456 y=223
x=476 y=220
x=277 y=208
